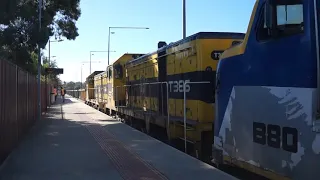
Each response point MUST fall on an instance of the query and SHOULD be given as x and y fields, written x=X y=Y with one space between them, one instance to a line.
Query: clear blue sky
x=164 y=18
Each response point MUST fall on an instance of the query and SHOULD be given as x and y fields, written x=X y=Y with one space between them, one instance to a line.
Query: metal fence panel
x=18 y=105
x=32 y=105
x=9 y=118
x=22 y=101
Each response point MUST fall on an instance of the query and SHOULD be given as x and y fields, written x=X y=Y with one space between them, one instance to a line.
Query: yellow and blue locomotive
x=148 y=90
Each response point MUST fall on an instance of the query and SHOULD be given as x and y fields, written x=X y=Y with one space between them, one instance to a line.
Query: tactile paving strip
x=128 y=164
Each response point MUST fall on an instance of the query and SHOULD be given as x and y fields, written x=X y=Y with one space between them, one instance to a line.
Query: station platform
x=75 y=141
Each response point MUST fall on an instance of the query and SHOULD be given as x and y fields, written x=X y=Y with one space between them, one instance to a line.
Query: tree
x=51 y=77
x=73 y=85
x=53 y=63
x=19 y=27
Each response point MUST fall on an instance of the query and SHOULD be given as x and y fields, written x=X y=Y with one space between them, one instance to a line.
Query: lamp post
x=184 y=18
x=81 y=77
x=50 y=48
x=119 y=28
x=52 y=59
x=39 y=62
x=97 y=52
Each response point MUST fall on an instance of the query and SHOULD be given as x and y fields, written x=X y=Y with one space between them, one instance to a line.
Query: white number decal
x=177 y=86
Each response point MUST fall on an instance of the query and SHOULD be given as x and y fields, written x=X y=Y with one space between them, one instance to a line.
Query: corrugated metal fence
x=18 y=105
x=80 y=94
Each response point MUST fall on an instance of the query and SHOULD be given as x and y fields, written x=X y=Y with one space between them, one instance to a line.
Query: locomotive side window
x=110 y=73
x=289 y=14
x=289 y=19
x=234 y=43
x=118 y=74
x=280 y=18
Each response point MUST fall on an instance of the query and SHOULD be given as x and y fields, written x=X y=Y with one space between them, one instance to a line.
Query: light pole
x=81 y=76
x=119 y=28
x=184 y=17
x=39 y=62
x=50 y=59
x=50 y=48
x=97 y=52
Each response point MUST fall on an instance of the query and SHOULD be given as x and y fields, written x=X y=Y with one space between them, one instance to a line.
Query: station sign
x=54 y=70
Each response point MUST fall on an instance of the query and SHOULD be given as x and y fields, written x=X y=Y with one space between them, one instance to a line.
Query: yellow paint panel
x=240 y=49
x=192 y=56
x=147 y=103
x=205 y=50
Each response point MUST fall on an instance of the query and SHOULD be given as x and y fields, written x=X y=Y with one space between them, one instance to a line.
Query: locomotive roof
x=100 y=74
x=95 y=73
x=199 y=35
x=132 y=54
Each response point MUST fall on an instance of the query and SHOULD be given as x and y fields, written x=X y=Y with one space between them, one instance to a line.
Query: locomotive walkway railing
x=79 y=93
x=149 y=88
x=117 y=104
x=117 y=94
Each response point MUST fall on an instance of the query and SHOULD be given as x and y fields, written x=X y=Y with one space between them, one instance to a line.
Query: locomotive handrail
x=168 y=113
x=184 y=109
x=117 y=92
x=117 y=95
x=116 y=99
x=92 y=88
x=167 y=85
x=318 y=58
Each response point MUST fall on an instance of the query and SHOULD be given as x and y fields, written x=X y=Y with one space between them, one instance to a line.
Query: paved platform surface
x=75 y=141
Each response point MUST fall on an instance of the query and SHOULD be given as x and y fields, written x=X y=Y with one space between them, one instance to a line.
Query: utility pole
x=184 y=17
x=91 y=53
x=90 y=62
x=49 y=54
x=50 y=49
x=39 y=62
x=109 y=46
x=119 y=28
x=81 y=77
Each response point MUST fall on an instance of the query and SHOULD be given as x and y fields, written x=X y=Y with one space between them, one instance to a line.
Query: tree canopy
x=53 y=64
x=73 y=85
x=19 y=27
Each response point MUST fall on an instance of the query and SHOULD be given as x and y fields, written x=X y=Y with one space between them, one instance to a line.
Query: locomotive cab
x=267 y=93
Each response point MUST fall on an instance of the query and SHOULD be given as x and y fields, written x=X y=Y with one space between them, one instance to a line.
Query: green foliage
x=31 y=66
x=53 y=64
x=72 y=85
x=19 y=28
